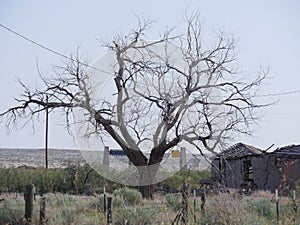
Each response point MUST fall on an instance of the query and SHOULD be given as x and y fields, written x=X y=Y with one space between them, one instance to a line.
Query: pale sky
x=268 y=33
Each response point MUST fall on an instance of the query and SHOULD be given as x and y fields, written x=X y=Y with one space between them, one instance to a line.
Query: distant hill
x=15 y=157
x=20 y=157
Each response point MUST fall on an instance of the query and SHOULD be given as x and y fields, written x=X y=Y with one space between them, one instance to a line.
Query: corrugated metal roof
x=288 y=150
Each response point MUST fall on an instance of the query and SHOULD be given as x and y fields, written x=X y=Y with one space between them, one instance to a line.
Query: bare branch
x=164 y=95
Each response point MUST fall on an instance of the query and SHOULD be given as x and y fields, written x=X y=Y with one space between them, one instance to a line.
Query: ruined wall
x=215 y=172
x=294 y=174
x=291 y=172
x=234 y=173
x=265 y=173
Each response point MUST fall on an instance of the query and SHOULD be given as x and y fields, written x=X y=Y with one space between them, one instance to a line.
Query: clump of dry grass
x=229 y=209
x=69 y=209
x=262 y=194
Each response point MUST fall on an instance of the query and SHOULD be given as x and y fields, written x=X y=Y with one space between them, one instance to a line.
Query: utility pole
x=46 y=133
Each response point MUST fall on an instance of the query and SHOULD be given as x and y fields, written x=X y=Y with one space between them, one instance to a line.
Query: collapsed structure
x=246 y=166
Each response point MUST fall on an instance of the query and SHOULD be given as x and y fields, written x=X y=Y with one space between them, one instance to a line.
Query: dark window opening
x=248 y=171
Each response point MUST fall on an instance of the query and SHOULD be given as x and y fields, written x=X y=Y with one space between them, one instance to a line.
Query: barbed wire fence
x=52 y=207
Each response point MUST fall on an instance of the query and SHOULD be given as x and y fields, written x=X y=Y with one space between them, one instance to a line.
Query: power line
x=49 y=49
x=279 y=94
x=101 y=70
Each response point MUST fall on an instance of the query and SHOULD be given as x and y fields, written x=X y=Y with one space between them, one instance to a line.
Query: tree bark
x=147 y=175
x=147 y=191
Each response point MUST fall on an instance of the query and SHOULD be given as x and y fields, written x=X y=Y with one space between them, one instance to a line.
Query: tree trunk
x=147 y=171
x=147 y=175
x=147 y=191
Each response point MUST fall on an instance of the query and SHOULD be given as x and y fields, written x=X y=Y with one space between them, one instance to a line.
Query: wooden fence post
x=185 y=206
x=195 y=202
x=104 y=200
x=109 y=210
x=43 y=211
x=277 y=205
x=203 y=203
x=28 y=197
x=295 y=207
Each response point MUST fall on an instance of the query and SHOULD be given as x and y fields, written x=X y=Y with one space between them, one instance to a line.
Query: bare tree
x=167 y=92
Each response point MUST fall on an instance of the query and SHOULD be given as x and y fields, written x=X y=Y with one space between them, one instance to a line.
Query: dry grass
x=262 y=194
x=224 y=209
x=257 y=209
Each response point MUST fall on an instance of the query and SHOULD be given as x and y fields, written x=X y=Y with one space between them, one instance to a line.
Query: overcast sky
x=268 y=33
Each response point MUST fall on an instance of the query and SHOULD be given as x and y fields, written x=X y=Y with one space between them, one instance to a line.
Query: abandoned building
x=246 y=166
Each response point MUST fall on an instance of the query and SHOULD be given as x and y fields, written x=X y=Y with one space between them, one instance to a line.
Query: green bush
x=65 y=209
x=12 y=213
x=175 y=182
x=227 y=209
x=263 y=207
x=98 y=203
x=118 y=201
x=136 y=215
x=173 y=201
x=130 y=196
x=60 y=200
x=75 y=179
x=80 y=179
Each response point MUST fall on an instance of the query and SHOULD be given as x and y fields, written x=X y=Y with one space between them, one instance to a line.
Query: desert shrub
x=196 y=176
x=118 y=201
x=65 y=206
x=80 y=179
x=58 y=200
x=210 y=218
x=12 y=213
x=65 y=209
x=91 y=220
x=174 y=182
x=98 y=203
x=130 y=196
x=75 y=179
x=225 y=209
x=10 y=180
x=136 y=215
x=11 y=216
x=173 y=201
x=263 y=207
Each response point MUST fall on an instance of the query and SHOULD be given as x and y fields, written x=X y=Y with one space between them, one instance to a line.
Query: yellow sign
x=175 y=153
